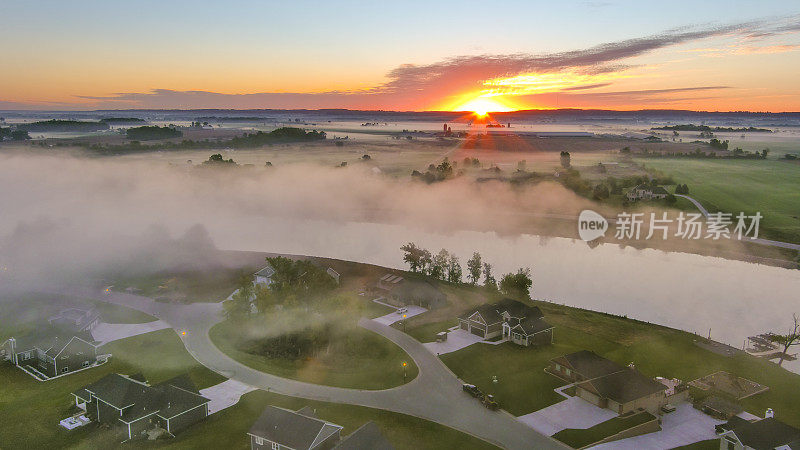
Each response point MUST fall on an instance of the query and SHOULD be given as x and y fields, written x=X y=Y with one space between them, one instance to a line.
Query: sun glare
x=482 y=106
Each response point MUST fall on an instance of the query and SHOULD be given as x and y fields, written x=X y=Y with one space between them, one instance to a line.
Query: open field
x=769 y=187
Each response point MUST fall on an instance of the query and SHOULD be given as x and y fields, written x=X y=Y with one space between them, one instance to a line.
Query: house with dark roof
x=513 y=320
x=51 y=351
x=264 y=276
x=282 y=429
x=582 y=365
x=607 y=384
x=133 y=407
x=78 y=319
x=366 y=437
x=646 y=192
x=400 y=291
x=764 y=434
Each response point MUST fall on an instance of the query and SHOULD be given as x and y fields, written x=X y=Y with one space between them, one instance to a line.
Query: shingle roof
x=266 y=272
x=623 y=386
x=493 y=313
x=766 y=434
x=291 y=429
x=588 y=364
x=532 y=325
x=50 y=339
x=367 y=437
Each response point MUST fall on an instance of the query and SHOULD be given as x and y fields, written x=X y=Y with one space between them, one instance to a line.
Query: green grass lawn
x=524 y=387
x=578 y=438
x=711 y=444
x=734 y=186
x=334 y=368
x=31 y=409
x=111 y=313
x=190 y=286
x=228 y=428
x=425 y=332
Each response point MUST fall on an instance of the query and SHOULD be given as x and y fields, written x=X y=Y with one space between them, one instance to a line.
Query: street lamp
x=404 y=372
x=404 y=326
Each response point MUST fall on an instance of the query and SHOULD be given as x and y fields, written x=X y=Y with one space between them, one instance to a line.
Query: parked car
x=668 y=408
x=490 y=403
x=472 y=390
x=402 y=310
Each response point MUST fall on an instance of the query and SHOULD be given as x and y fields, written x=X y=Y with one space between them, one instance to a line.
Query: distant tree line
x=692 y=127
x=13 y=135
x=151 y=133
x=446 y=266
x=63 y=126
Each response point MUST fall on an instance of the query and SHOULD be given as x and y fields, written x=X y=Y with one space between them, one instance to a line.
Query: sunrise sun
x=482 y=106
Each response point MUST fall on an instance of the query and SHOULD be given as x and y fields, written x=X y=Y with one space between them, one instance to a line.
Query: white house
x=264 y=276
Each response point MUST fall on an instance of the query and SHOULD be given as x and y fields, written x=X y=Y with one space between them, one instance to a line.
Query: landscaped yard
x=31 y=409
x=190 y=286
x=354 y=357
x=228 y=428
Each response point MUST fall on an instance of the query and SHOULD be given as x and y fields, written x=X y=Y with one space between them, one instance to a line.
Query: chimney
x=769 y=414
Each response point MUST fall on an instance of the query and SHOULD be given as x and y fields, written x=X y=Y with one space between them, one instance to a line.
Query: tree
x=565 y=160
x=764 y=153
x=413 y=256
x=240 y=303
x=488 y=279
x=426 y=262
x=517 y=284
x=474 y=266
x=454 y=271
x=601 y=191
x=264 y=299
x=788 y=340
x=440 y=264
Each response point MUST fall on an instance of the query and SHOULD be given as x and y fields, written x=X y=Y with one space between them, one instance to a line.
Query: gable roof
x=292 y=429
x=79 y=318
x=266 y=272
x=367 y=437
x=624 y=386
x=588 y=364
x=51 y=339
x=531 y=326
x=493 y=313
x=765 y=434
x=137 y=399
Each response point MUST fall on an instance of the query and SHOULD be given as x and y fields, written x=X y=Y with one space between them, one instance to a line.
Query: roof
x=50 y=339
x=624 y=386
x=367 y=437
x=266 y=272
x=532 y=325
x=588 y=364
x=419 y=289
x=292 y=429
x=765 y=434
x=139 y=400
x=78 y=317
x=493 y=313
x=659 y=190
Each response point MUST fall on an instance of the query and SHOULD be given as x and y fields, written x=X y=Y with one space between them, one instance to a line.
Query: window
x=86 y=364
x=276 y=446
x=558 y=367
x=26 y=356
x=259 y=441
x=65 y=370
x=568 y=372
x=731 y=446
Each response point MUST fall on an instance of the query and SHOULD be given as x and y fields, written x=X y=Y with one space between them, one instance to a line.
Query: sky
x=415 y=55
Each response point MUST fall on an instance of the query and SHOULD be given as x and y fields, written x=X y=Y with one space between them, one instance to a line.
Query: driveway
x=456 y=340
x=393 y=317
x=684 y=426
x=573 y=412
x=225 y=394
x=108 y=332
x=435 y=394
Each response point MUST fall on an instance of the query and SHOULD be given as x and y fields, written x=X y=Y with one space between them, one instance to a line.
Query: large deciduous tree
x=788 y=340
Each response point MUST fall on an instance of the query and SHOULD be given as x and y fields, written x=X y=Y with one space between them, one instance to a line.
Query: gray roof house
x=51 y=351
x=513 y=320
x=279 y=429
x=133 y=407
x=79 y=319
x=763 y=434
x=646 y=192
x=401 y=291
x=367 y=437
x=264 y=276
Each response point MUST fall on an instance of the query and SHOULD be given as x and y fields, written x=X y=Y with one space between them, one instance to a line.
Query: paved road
x=434 y=395
x=759 y=241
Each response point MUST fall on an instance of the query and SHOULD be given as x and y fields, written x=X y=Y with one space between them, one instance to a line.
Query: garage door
x=478 y=332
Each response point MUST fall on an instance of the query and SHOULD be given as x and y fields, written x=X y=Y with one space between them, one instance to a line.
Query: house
x=764 y=434
x=264 y=276
x=367 y=437
x=51 y=351
x=513 y=320
x=646 y=192
x=334 y=274
x=279 y=429
x=607 y=384
x=582 y=365
x=130 y=405
x=78 y=319
x=400 y=291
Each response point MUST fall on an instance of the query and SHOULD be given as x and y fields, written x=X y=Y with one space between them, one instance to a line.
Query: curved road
x=435 y=394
